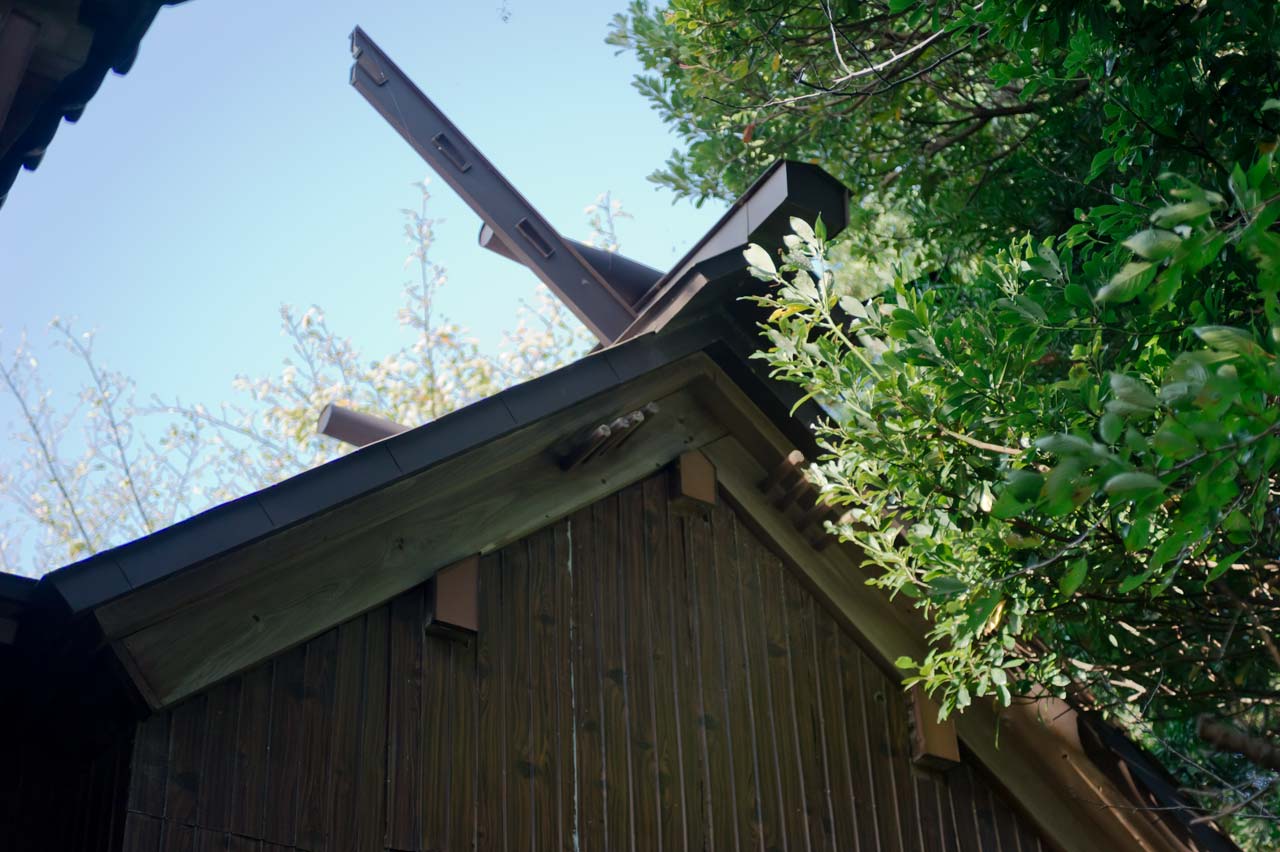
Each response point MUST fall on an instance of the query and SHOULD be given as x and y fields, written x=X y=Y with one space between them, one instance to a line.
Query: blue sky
x=234 y=169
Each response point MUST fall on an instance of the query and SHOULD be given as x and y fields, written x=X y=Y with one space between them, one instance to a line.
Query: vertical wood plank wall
x=644 y=679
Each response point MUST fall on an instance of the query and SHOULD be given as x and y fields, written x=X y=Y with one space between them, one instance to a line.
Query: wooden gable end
x=647 y=674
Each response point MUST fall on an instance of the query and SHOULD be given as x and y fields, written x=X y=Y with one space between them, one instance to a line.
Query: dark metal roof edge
x=677 y=295
x=115 y=50
x=1146 y=770
x=672 y=287
x=678 y=268
x=15 y=588
x=221 y=529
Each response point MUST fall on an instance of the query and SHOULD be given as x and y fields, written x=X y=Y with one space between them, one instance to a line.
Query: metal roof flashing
x=762 y=215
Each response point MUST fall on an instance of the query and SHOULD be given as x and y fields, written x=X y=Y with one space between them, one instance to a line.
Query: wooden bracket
x=933 y=743
x=693 y=481
x=606 y=437
x=790 y=491
x=453 y=610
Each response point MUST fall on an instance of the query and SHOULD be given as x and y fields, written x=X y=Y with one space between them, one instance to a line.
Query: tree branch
x=1228 y=738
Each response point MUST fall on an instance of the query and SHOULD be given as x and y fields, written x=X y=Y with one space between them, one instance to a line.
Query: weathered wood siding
x=644 y=679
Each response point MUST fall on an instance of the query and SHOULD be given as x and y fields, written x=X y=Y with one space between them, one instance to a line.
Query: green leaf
x=1128 y=584
x=1007 y=505
x=1223 y=566
x=1101 y=161
x=946 y=586
x=1133 y=392
x=1271 y=103
x=1074 y=578
x=1228 y=339
x=1153 y=244
x=853 y=307
x=759 y=260
x=1064 y=445
x=905 y=663
x=1174 y=441
x=1077 y=296
x=1126 y=284
x=1024 y=484
x=1110 y=427
x=1132 y=485
x=1176 y=214
x=1062 y=488
x=801 y=229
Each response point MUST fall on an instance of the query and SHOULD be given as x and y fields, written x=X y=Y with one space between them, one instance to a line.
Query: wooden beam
x=312 y=539
x=8 y=630
x=18 y=34
x=453 y=609
x=933 y=743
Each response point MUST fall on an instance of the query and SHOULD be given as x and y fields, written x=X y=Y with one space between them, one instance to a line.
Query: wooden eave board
x=196 y=628
x=210 y=536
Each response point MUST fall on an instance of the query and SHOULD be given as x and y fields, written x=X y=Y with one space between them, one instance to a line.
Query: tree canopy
x=1048 y=345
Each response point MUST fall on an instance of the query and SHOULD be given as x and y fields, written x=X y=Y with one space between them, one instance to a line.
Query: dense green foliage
x=1049 y=343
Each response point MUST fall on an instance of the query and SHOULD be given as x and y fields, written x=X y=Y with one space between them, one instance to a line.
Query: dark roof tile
x=536 y=399
x=193 y=540
x=329 y=484
x=86 y=584
x=457 y=431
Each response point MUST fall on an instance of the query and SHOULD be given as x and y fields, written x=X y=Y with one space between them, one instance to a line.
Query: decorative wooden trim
x=606 y=437
x=789 y=490
x=453 y=610
x=18 y=36
x=933 y=744
x=693 y=481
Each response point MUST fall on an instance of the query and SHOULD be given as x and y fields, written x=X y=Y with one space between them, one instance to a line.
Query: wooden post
x=452 y=608
x=933 y=743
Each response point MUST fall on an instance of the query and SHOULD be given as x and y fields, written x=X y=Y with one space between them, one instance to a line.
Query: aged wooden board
x=300 y=545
